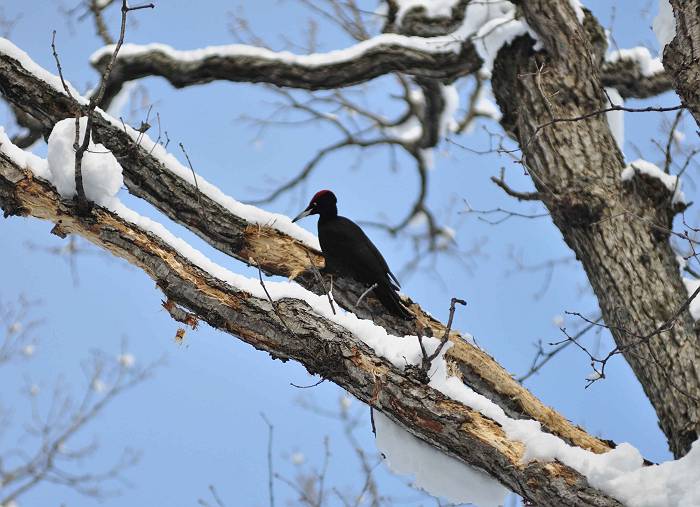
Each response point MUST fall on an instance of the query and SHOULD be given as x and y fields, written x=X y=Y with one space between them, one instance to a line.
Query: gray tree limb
x=268 y=67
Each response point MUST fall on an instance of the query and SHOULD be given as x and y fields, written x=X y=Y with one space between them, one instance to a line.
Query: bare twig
x=81 y=147
x=309 y=386
x=270 y=471
x=521 y=196
x=427 y=360
x=56 y=431
x=668 y=158
x=501 y=213
x=271 y=301
x=542 y=358
x=598 y=112
x=319 y=278
x=362 y=296
x=194 y=174
x=599 y=363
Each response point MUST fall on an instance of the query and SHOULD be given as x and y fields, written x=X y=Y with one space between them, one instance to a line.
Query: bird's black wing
x=375 y=251
x=347 y=248
x=346 y=244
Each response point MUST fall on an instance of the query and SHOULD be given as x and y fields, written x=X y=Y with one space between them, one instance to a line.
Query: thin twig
x=194 y=175
x=81 y=147
x=598 y=112
x=270 y=471
x=58 y=66
x=308 y=387
x=521 y=196
x=599 y=372
x=427 y=360
x=668 y=158
x=542 y=357
x=362 y=296
x=446 y=336
x=320 y=280
x=269 y=298
x=216 y=496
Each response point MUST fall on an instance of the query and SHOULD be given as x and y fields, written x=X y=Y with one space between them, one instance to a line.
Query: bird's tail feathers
x=391 y=301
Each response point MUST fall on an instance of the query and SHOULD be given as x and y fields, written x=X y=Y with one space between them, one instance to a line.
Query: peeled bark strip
x=275 y=252
x=320 y=345
x=617 y=230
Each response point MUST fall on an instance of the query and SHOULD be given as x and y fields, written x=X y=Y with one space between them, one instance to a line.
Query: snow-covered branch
x=627 y=76
x=440 y=57
x=320 y=343
x=271 y=241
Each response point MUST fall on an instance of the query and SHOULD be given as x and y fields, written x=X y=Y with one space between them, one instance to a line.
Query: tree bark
x=619 y=231
x=682 y=54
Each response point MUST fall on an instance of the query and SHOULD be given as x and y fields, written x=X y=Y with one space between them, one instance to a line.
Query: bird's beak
x=301 y=215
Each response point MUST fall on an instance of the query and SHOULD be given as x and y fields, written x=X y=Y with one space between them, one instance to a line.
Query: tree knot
x=578 y=208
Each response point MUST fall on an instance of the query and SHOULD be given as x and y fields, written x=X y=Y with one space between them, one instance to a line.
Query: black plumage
x=348 y=250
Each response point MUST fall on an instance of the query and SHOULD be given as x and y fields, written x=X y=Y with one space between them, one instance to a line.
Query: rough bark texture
x=682 y=55
x=321 y=346
x=618 y=231
x=275 y=252
x=627 y=78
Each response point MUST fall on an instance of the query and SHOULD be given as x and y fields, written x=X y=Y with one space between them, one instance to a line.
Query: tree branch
x=443 y=59
x=626 y=77
x=320 y=345
x=275 y=252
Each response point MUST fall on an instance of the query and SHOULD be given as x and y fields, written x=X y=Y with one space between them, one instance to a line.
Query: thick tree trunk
x=682 y=54
x=619 y=231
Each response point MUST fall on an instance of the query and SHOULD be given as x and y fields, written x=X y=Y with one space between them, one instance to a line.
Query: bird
x=348 y=250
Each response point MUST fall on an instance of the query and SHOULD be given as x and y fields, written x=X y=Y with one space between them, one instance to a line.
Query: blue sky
x=198 y=421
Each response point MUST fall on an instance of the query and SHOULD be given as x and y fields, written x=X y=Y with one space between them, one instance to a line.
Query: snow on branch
x=486 y=26
x=438 y=57
x=670 y=182
x=648 y=65
x=627 y=76
x=250 y=234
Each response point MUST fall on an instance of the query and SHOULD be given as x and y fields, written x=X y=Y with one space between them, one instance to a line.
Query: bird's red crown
x=320 y=194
